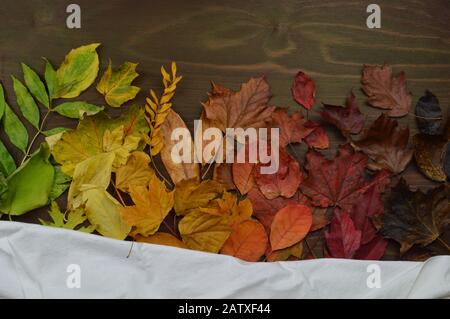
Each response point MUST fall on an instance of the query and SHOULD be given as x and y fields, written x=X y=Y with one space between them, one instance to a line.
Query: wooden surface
x=229 y=41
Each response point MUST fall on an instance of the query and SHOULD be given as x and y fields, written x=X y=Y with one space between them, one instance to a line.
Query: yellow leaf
x=203 y=231
x=103 y=211
x=151 y=206
x=136 y=172
x=229 y=207
x=177 y=171
x=191 y=194
x=116 y=86
x=161 y=238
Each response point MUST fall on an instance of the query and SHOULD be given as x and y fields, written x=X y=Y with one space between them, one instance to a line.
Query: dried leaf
x=136 y=172
x=292 y=127
x=304 y=90
x=116 y=85
x=248 y=241
x=290 y=225
x=343 y=240
x=243 y=176
x=430 y=155
x=348 y=119
x=161 y=238
x=429 y=114
x=387 y=145
x=318 y=138
x=386 y=91
x=295 y=250
x=224 y=176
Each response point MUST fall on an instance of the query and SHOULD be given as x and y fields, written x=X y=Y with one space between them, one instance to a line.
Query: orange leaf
x=248 y=241
x=161 y=238
x=290 y=225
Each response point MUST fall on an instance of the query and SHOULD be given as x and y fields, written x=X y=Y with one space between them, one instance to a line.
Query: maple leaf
x=339 y=182
x=284 y=182
x=181 y=170
x=116 y=86
x=151 y=206
x=430 y=155
x=230 y=207
x=74 y=219
x=304 y=90
x=290 y=225
x=99 y=134
x=429 y=114
x=292 y=127
x=343 y=239
x=386 y=144
x=318 y=138
x=386 y=91
x=243 y=109
x=161 y=238
x=248 y=241
x=415 y=217
x=136 y=172
x=348 y=119
x=192 y=194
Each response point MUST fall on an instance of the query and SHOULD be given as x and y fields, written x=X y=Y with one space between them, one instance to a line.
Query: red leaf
x=373 y=250
x=348 y=119
x=292 y=127
x=290 y=225
x=343 y=240
x=248 y=241
x=304 y=90
x=318 y=138
x=339 y=182
x=284 y=182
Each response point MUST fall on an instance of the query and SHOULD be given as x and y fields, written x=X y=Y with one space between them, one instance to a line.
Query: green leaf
x=16 y=131
x=50 y=79
x=54 y=131
x=78 y=71
x=26 y=103
x=74 y=219
x=7 y=163
x=3 y=185
x=35 y=85
x=60 y=184
x=77 y=110
x=116 y=86
x=29 y=186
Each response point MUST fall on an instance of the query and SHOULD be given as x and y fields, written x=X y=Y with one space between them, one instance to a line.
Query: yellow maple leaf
x=151 y=206
x=228 y=206
x=192 y=194
x=136 y=172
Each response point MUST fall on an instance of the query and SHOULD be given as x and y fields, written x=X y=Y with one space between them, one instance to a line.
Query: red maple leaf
x=304 y=90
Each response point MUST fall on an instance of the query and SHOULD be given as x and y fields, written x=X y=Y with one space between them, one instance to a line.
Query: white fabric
x=34 y=261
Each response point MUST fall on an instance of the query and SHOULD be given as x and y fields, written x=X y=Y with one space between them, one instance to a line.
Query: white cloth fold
x=46 y=262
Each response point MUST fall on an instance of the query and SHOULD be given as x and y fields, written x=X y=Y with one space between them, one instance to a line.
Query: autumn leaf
x=243 y=176
x=429 y=114
x=415 y=218
x=343 y=239
x=304 y=90
x=292 y=127
x=243 y=109
x=192 y=194
x=339 y=182
x=178 y=169
x=99 y=134
x=373 y=250
x=136 y=172
x=430 y=155
x=295 y=250
x=387 y=145
x=385 y=90
x=151 y=206
x=318 y=138
x=348 y=119
x=223 y=175
x=284 y=182
x=248 y=241
x=74 y=219
x=229 y=207
x=161 y=238
x=290 y=225
x=116 y=85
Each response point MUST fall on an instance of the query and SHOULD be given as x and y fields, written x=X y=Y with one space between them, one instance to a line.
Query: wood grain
x=229 y=41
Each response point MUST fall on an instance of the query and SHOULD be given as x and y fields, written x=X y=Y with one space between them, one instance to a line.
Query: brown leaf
x=295 y=250
x=177 y=171
x=292 y=127
x=318 y=138
x=243 y=109
x=223 y=175
x=387 y=145
x=415 y=217
x=243 y=176
x=386 y=91
x=429 y=154
x=304 y=90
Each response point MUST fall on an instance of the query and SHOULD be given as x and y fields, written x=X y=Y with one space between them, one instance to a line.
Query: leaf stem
x=33 y=140
x=444 y=243
x=118 y=193
x=170 y=229
x=158 y=171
